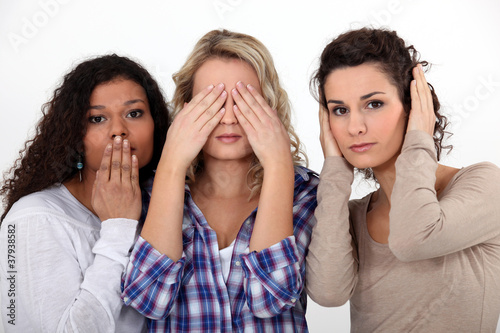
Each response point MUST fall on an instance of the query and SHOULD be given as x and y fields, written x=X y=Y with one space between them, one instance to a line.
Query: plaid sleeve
x=152 y=281
x=275 y=276
x=273 y=281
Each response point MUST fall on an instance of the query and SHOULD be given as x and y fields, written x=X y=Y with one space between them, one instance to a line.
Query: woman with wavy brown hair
x=225 y=251
x=74 y=198
x=422 y=252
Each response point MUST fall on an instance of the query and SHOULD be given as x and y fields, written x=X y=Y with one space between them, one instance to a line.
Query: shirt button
x=238 y=263
x=125 y=299
x=248 y=222
x=294 y=300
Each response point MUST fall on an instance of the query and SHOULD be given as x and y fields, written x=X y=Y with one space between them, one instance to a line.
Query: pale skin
x=365 y=112
x=228 y=122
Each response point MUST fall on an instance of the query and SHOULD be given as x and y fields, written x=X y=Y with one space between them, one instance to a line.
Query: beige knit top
x=440 y=271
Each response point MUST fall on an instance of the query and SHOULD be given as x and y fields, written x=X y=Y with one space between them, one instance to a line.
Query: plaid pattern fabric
x=146 y=189
x=263 y=292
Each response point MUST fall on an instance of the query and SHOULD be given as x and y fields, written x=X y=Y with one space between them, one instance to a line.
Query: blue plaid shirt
x=263 y=292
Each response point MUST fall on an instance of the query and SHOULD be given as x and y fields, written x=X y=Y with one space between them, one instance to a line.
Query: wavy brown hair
x=393 y=57
x=227 y=44
x=51 y=156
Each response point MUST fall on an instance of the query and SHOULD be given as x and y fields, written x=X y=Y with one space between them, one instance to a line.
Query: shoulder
x=484 y=168
x=480 y=181
x=482 y=173
x=54 y=203
x=306 y=182
x=305 y=175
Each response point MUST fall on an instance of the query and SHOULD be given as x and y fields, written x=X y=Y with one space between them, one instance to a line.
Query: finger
x=188 y=107
x=209 y=126
x=116 y=159
x=416 y=106
x=250 y=101
x=423 y=90
x=243 y=121
x=202 y=105
x=105 y=164
x=126 y=162
x=262 y=102
x=212 y=111
x=244 y=110
x=94 y=186
x=427 y=89
x=134 y=174
x=325 y=130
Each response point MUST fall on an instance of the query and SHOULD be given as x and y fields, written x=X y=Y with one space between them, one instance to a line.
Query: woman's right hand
x=116 y=192
x=328 y=142
x=192 y=125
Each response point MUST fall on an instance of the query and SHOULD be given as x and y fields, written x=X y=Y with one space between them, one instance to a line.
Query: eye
x=374 y=104
x=96 y=119
x=135 y=114
x=339 y=111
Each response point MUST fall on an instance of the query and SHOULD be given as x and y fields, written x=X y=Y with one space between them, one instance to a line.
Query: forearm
x=423 y=226
x=163 y=226
x=274 y=220
x=331 y=264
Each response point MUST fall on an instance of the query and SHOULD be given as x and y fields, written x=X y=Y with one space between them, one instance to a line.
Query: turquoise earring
x=79 y=166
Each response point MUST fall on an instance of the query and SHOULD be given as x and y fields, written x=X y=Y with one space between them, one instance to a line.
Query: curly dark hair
x=389 y=52
x=51 y=156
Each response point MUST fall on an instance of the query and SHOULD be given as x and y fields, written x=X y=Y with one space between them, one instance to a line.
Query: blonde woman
x=225 y=252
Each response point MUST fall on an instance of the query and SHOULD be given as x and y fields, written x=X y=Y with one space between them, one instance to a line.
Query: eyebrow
x=133 y=101
x=334 y=101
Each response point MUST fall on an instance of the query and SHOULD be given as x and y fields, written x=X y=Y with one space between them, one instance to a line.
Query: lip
x=228 y=137
x=361 y=147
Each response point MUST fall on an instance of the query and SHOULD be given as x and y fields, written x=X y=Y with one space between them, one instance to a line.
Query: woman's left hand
x=265 y=131
x=116 y=192
x=422 y=115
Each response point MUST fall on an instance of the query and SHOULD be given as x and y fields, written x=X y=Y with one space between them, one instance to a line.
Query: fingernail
x=235 y=92
x=420 y=67
x=239 y=84
x=125 y=143
x=134 y=159
x=235 y=107
x=210 y=87
x=249 y=87
x=108 y=147
x=222 y=110
x=118 y=139
x=220 y=85
x=224 y=94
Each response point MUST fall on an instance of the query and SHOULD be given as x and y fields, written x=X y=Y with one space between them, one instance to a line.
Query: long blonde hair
x=227 y=44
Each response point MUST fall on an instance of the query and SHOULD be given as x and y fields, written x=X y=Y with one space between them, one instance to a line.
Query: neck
x=223 y=179
x=82 y=190
x=386 y=176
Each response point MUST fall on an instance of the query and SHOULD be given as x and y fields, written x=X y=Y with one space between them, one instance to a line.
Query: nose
x=229 y=118
x=356 y=125
x=118 y=128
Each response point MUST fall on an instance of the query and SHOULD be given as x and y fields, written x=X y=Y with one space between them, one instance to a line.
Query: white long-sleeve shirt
x=61 y=268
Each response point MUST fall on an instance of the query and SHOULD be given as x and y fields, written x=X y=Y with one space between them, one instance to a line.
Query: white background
x=41 y=40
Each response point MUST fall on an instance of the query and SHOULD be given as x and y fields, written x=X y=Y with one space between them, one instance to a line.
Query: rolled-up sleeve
x=152 y=281
x=273 y=280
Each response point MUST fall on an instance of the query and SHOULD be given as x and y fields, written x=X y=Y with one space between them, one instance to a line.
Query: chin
x=360 y=162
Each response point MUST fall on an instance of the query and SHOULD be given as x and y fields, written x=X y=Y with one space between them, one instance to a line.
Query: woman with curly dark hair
x=421 y=253
x=93 y=155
